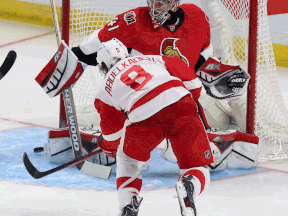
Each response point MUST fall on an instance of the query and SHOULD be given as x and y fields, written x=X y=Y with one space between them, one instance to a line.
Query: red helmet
x=159 y=10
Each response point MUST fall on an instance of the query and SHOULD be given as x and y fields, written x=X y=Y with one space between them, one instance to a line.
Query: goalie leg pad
x=58 y=148
x=232 y=149
x=168 y=153
x=215 y=116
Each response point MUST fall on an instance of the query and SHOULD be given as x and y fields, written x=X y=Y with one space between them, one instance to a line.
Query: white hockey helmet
x=110 y=53
x=159 y=10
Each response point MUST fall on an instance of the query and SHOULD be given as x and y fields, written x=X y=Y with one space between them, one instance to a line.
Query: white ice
x=24 y=104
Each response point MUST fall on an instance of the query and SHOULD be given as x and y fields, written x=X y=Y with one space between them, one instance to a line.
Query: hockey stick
x=8 y=63
x=85 y=167
x=37 y=174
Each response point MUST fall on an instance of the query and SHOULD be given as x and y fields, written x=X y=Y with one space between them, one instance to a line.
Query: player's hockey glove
x=222 y=81
x=109 y=152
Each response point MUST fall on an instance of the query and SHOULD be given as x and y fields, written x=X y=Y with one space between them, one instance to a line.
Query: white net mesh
x=86 y=16
x=229 y=21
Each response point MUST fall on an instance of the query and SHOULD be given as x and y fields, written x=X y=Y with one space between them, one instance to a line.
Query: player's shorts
x=178 y=122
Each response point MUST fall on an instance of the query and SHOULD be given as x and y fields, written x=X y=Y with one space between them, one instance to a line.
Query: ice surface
x=27 y=113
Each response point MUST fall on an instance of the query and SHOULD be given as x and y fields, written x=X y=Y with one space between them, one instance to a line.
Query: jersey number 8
x=136 y=77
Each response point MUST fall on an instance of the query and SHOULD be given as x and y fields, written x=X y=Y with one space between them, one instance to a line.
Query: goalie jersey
x=138 y=87
x=187 y=39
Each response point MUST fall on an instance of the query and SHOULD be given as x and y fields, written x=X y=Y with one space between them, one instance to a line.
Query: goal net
x=229 y=21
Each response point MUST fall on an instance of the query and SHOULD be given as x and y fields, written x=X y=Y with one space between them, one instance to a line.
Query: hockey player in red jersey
x=141 y=101
x=162 y=28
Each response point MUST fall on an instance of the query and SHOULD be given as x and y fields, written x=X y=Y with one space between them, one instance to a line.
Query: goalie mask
x=110 y=53
x=160 y=10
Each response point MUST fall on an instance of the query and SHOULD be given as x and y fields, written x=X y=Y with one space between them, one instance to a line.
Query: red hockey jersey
x=134 y=28
x=139 y=87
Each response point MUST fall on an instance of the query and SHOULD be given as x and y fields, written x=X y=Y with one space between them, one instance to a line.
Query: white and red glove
x=62 y=71
x=222 y=81
x=108 y=149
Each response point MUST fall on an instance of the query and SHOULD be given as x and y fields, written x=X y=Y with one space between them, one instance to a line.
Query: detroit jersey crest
x=168 y=48
x=130 y=17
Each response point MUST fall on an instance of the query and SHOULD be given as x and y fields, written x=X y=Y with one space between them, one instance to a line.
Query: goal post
x=252 y=66
x=239 y=34
x=65 y=26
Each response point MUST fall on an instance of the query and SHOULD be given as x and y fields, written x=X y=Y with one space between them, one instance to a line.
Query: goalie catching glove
x=62 y=71
x=223 y=81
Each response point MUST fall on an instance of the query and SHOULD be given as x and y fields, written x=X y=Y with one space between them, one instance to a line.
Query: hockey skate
x=185 y=190
x=133 y=208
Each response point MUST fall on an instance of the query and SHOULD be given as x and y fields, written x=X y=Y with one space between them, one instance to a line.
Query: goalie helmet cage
x=233 y=43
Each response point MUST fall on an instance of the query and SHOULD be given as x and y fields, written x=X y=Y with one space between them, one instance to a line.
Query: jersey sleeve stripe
x=193 y=84
x=156 y=91
x=114 y=136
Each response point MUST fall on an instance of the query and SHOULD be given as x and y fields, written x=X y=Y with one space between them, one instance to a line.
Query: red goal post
x=267 y=115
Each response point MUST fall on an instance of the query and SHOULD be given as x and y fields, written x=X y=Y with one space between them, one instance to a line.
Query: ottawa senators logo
x=168 y=48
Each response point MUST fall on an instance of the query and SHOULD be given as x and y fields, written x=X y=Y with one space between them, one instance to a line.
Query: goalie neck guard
x=160 y=10
x=110 y=53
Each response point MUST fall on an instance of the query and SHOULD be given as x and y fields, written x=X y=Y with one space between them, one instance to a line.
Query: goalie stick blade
x=96 y=170
x=8 y=63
